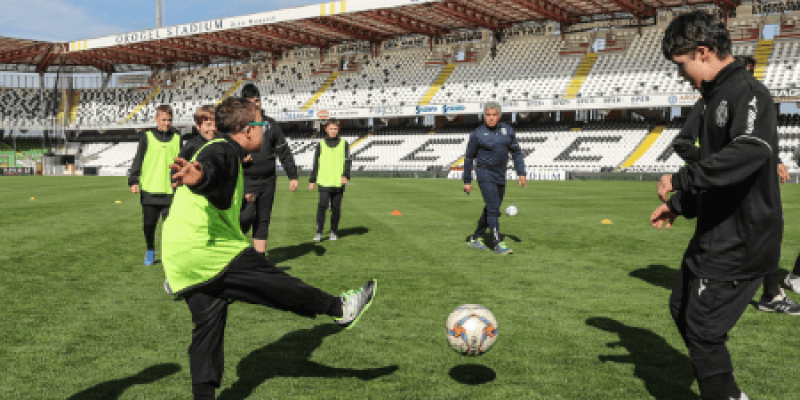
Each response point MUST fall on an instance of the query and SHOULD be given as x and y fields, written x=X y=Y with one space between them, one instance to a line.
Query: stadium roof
x=321 y=25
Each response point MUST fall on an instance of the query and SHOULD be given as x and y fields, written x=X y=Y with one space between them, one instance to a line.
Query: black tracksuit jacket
x=263 y=165
x=732 y=189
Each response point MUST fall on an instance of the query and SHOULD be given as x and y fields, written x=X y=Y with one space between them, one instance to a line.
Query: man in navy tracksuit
x=488 y=147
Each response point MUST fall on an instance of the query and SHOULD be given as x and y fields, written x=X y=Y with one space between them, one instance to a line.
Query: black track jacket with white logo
x=733 y=188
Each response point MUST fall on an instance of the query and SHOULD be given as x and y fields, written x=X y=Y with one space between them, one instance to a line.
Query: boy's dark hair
x=233 y=115
x=249 y=91
x=689 y=31
x=332 y=121
x=164 y=108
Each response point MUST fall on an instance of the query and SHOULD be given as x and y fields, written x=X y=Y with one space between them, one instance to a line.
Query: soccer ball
x=471 y=329
x=511 y=210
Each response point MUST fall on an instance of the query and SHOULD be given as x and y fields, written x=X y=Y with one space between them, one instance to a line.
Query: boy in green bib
x=331 y=173
x=150 y=175
x=209 y=262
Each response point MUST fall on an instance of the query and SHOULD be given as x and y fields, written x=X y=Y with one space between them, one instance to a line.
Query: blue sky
x=69 y=20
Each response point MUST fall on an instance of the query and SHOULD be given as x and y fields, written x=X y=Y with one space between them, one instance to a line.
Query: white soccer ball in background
x=471 y=329
x=511 y=210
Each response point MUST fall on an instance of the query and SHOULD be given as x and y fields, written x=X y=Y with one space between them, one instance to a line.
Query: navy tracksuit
x=488 y=148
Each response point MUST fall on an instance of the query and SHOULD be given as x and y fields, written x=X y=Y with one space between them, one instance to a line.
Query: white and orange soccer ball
x=471 y=329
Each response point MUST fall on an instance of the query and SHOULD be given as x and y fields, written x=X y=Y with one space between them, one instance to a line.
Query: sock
x=335 y=309
x=203 y=391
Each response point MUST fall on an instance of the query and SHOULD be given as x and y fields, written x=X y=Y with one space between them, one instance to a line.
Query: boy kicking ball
x=209 y=261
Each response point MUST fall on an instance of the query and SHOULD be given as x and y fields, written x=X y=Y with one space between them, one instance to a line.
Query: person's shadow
x=290 y=356
x=666 y=372
x=113 y=389
x=283 y=254
x=657 y=275
x=358 y=230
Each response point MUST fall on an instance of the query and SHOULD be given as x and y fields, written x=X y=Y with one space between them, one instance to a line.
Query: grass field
x=581 y=306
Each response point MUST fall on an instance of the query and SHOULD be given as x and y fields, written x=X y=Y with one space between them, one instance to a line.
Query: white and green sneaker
x=355 y=302
x=502 y=249
x=477 y=244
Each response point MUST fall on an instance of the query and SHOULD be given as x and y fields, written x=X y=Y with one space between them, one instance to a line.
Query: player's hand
x=783 y=173
x=664 y=187
x=250 y=197
x=135 y=189
x=344 y=180
x=661 y=215
x=293 y=184
x=310 y=186
x=248 y=159
x=187 y=173
x=467 y=188
x=523 y=181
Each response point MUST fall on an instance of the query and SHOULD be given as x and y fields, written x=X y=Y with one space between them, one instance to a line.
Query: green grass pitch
x=581 y=306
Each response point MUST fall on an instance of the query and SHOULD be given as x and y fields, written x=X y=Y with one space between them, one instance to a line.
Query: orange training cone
x=396 y=212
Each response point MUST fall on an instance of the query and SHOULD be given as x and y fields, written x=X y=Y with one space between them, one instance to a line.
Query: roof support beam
x=239 y=44
x=187 y=45
x=98 y=63
x=402 y=21
x=331 y=24
x=547 y=10
x=48 y=59
x=21 y=53
x=118 y=58
x=287 y=34
x=16 y=55
x=468 y=14
x=153 y=58
x=636 y=7
x=171 y=52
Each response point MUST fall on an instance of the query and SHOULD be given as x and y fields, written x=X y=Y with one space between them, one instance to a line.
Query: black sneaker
x=780 y=304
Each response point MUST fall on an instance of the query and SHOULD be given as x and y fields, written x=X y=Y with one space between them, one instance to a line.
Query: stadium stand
x=470 y=64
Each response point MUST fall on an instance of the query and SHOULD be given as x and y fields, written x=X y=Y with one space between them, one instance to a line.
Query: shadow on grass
x=657 y=275
x=358 y=230
x=113 y=389
x=666 y=372
x=290 y=356
x=472 y=374
x=283 y=254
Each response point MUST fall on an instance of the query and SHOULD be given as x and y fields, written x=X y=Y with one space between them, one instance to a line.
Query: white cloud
x=51 y=20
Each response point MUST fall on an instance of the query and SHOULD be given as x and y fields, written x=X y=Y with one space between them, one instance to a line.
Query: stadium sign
x=296 y=116
x=132 y=80
x=217 y=25
x=420 y=110
x=786 y=95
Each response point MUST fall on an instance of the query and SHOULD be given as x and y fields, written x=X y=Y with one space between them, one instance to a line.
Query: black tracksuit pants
x=150 y=216
x=258 y=213
x=493 y=197
x=251 y=278
x=705 y=311
x=334 y=200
